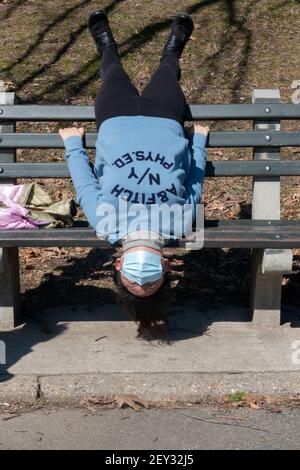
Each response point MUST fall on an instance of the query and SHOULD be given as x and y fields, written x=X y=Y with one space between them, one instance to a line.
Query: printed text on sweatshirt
x=141 y=160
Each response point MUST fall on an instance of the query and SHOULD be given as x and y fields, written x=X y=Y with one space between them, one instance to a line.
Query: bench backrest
x=266 y=139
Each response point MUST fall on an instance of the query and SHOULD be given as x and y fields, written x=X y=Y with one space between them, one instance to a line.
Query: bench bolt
x=268 y=168
x=1 y=111
x=268 y=138
x=1 y=170
x=267 y=110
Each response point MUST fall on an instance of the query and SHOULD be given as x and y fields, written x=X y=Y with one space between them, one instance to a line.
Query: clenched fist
x=196 y=128
x=71 y=132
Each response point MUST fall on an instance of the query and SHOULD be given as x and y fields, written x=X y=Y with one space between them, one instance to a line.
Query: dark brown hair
x=147 y=312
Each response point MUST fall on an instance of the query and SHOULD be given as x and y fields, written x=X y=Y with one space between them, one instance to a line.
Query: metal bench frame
x=270 y=239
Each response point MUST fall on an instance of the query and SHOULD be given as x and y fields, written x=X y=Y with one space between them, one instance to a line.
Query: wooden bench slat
x=213 y=169
x=197 y=112
x=249 y=234
x=216 y=139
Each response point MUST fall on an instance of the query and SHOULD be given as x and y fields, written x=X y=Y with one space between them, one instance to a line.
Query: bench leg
x=267 y=269
x=9 y=287
x=9 y=257
x=267 y=265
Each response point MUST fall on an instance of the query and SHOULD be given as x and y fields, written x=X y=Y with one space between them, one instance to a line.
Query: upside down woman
x=145 y=158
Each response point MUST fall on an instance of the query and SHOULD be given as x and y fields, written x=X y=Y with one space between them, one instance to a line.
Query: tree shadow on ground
x=11 y=9
x=61 y=51
x=42 y=34
x=235 y=28
x=132 y=44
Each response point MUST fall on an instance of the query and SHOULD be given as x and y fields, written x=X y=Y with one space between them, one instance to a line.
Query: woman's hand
x=196 y=129
x=71 y=132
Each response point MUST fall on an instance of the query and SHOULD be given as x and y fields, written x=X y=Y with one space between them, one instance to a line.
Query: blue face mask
x=142 y=266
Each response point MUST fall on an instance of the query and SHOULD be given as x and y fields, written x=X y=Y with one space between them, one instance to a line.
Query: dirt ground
x=47 y=57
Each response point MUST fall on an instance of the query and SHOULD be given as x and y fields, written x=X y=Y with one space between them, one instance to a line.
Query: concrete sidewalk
x=188 y=428
x=69 y=354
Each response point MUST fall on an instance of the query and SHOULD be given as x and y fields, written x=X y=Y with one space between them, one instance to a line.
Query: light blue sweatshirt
x=140 y=160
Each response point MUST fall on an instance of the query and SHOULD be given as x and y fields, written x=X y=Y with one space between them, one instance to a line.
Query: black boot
x=100 y=30
x=181 y=30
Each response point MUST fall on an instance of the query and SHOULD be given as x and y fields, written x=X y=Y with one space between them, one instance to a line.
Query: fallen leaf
x=254 y=406
x=132 y=401
x=251 y=398
x=96 y=401
x=269 y=399
x=275 y=409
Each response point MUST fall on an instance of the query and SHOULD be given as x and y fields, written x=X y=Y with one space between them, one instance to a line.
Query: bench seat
x=217 y=233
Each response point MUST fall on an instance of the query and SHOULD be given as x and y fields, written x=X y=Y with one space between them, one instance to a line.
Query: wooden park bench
x=270 y=238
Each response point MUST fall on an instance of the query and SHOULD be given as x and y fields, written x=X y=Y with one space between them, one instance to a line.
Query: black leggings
x=162 y=97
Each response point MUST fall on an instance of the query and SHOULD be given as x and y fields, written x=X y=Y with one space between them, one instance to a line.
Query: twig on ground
x=228 y=424
x=7 y=418
x=101 y=337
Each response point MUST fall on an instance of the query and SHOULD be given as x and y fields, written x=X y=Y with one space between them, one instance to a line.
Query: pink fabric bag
x=14 y=216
